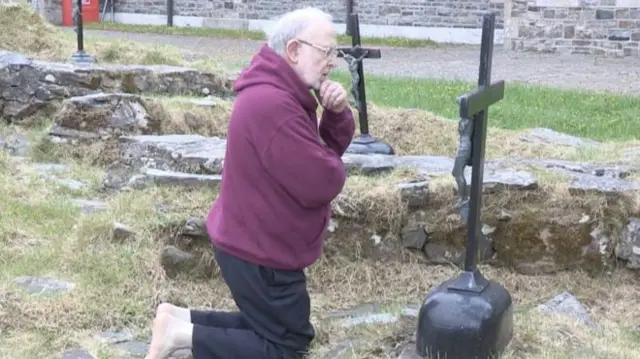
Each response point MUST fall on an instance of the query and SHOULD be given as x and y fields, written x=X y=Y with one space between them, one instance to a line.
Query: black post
x=169 y=12
x=80 y=57
x=365 y=143
x=349 y=31
x=362 y=105
x=470 y=316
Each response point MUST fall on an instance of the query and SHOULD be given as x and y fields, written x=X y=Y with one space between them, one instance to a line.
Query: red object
x=90 y=11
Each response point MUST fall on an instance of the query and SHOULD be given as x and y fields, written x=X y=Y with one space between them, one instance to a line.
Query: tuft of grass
x=44 y=41
x=246 y=34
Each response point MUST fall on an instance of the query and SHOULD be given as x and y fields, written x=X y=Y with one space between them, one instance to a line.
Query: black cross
x=366 y=143
x=474 y=105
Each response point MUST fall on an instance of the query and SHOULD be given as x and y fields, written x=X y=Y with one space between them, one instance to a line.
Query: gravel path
x=620 y=75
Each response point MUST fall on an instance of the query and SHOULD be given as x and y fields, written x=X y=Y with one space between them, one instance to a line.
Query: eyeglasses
x=327 y=51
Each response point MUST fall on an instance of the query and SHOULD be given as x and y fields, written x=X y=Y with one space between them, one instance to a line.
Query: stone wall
x=573 y=26
x=438 y=13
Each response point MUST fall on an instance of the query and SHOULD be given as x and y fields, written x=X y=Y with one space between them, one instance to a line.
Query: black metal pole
x=79 y=28
x=362 y=108
x=80 y=57
x=169 y=12
x=349 y=4
x=478 y=148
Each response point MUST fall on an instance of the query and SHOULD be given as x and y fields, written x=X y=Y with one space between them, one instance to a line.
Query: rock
x=89 y=206
x=411 y=311
x=51 y=168
x=507 y=179
x=115 y=337
x=628 y=247
x=365 y=309
x=124 y=342
x=66 y=182
x=122 y=232
x=174 y=179
x=195 y=227
x=380 y=318
x=16 y=144
x=582 y=184
x=31 y=87
x=549 y=136
x=414 y=193
x=370 y=313
x=180 y=153
x=414 y=233
x=107 y=114
x=76 y=354
x=567 y=305
x=43 y=285
x=175 y=261
x=63 y=135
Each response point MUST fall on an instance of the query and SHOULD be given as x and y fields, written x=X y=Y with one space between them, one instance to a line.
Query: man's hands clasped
x=332 y=96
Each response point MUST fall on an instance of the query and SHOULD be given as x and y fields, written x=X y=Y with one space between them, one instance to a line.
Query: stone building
x=576 y=26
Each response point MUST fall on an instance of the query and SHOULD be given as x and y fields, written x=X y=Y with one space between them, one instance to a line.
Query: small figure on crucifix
x=352 y=63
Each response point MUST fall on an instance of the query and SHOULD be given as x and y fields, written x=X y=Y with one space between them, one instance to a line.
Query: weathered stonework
x=441 y=13
x=610 y=27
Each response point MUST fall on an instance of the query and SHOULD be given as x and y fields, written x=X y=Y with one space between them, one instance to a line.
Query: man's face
x=313 y=53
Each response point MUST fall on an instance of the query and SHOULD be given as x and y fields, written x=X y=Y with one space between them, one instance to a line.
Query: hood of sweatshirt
x=269 y=68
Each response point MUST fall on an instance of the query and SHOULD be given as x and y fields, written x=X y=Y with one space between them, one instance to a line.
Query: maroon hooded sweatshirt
x=278 y=179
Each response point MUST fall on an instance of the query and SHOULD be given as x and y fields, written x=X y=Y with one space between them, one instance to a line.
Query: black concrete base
x=468 y=317
x=82 y=58
x=365 y=145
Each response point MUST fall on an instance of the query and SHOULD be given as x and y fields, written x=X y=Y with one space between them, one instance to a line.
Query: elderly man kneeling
x=282 y=170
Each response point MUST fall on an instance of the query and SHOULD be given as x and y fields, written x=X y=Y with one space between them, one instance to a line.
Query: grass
x=120 y=283
x=248 y=34
x=43 y=234
x=595 y=115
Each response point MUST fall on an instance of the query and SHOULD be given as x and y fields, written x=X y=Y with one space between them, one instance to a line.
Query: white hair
x=291 y=24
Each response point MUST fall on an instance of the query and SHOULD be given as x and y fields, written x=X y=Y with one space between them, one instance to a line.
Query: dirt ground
x=455 y=62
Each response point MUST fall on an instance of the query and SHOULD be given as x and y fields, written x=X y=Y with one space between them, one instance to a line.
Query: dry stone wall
x=610 y=27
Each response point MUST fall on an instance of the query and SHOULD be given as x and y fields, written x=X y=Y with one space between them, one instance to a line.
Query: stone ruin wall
x=602 y=27
x=438 y=13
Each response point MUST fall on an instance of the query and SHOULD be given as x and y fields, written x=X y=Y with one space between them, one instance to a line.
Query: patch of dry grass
x=25 y=31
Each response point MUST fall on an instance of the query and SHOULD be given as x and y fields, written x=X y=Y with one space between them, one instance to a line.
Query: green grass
x=248 y=34
x=596 y=115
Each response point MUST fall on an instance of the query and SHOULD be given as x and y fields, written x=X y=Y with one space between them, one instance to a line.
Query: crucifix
x=365 y=143
x=470 y=315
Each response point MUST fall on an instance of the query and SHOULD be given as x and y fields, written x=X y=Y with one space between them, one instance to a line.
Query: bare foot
x=183 y=314
x=161 y=342
x=169 y=334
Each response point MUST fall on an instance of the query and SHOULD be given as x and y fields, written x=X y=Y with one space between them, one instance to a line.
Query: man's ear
x=291 y=50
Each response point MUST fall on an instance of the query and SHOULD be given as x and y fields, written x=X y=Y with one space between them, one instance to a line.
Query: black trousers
x=274 y=318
